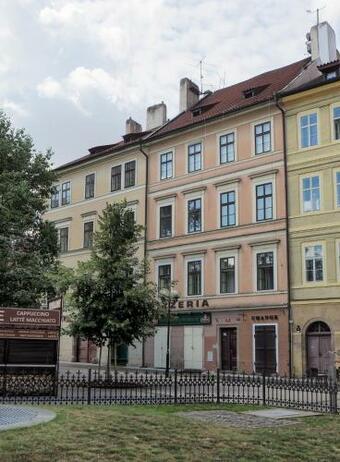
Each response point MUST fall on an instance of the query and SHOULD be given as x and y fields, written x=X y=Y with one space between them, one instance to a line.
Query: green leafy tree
x=28 y=244
x=111 y=301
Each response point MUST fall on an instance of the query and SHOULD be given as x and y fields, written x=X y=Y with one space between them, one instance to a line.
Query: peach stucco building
x=217 y=226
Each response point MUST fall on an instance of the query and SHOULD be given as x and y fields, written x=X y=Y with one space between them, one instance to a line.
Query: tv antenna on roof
x=201 y=75
x=317 y=11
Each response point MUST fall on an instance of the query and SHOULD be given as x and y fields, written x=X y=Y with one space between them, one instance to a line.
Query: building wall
x=81 y=210
x=320 y=300
x=242 y=240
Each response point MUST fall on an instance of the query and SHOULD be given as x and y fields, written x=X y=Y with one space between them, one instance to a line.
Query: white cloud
x=13 y=108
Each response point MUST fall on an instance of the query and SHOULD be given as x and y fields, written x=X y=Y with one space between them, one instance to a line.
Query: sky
x=72 y=71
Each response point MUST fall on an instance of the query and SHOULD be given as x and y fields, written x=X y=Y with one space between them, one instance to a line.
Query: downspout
x=145 y=223
x=290 y=320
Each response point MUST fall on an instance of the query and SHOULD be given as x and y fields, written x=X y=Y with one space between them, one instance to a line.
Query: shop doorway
x=265 y=349
x=160 y=342
x=229 y=348
x=193 y=347
x=318 y=338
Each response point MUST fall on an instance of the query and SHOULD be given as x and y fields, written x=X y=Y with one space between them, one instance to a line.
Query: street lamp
x=168 y=297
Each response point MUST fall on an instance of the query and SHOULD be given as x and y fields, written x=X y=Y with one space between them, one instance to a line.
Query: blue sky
x=72 y=71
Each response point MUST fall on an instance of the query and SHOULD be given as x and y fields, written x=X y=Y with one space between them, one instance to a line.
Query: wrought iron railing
x=178 y=387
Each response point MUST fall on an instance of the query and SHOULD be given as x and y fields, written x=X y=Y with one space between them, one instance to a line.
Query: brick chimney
x=189 y=94
x=155 y=116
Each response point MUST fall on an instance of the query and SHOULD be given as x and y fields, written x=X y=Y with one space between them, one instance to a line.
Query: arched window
x=318 y=327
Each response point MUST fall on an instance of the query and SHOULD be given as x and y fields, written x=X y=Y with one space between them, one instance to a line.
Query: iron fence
x=178 y=387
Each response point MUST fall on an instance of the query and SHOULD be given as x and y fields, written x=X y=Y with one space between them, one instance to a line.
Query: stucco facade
x=80 y=210
x=314 y=226
x=240 y=312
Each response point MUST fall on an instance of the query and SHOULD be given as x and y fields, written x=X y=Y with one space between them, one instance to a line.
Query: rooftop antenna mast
x=201 y=76
x=317 y=11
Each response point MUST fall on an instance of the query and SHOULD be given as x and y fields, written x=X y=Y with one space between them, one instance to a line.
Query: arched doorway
x=318 y=338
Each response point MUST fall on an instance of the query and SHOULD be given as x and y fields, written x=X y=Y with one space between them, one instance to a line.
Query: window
x=194 y=215
x=116 y=178
x=309 y=130
x=264 y=201
x=166 y=165
x=311 y=193
x=227 y=148
x=88 y=234
x=337 y=185
x=265 y=349
x=194 y=277
x=130 y=174
x=262 y=138
x=66 y=193
x=336 y=119
x=55 y=197
x=194 y=157
x=227 y=275
x=164 y=277
x=228 y=209
x=165 y=221
x=89 y=186
x=265 y=270
x=314 y=263
x=63 y=239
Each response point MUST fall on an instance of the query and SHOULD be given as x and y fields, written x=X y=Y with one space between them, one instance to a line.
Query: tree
x=28 y=244
x=111 y=301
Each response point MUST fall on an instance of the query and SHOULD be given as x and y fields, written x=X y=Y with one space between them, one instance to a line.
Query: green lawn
x=155 y=434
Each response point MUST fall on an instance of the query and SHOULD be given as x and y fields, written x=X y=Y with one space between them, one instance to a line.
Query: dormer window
x=250 y=92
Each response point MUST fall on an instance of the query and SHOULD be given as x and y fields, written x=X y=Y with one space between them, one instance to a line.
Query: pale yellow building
x=107 y=174
x=312 y=110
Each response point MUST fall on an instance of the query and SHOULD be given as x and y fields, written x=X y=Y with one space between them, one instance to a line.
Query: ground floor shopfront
x=315 y=337
x=235 y=340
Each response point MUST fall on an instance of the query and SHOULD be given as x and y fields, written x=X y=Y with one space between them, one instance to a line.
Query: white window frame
x=187 y=156
x=262 y=249
x=224 y=189
x=219 y=257
x=62 y=225
x=161 y=262
x=337 y=252
x=306 y=113
x=172 y=150
x=164 y=203
x=122 y=180
x=324 y=263
x=61 y=193
x=332 y=107
x=57 y=185
x=190 y=197
x=276 y=343
x=88 y=219
x=188 y=259
x=257 y=182
x=310 y=175
x=272 y=136
x=218 y=136
x=336 y=205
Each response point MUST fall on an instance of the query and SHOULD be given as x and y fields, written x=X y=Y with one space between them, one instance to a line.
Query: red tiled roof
x=232 y=98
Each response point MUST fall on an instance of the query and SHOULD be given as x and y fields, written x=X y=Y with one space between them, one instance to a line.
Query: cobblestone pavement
x=19 y=416
x=235 y=419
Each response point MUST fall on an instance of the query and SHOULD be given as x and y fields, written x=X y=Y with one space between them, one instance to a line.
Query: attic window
x=203 y=108
x=250 y=92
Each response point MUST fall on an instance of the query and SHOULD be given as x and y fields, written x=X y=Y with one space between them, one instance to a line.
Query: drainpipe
x=145 y=222
x=290 y=320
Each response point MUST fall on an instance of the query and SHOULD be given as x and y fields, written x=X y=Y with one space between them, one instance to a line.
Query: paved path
x=245 y=419
x=23 y=416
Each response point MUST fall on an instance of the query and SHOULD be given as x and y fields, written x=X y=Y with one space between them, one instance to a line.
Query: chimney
x=155 y=116
x=322 y=43
x=188 y=94
x=131 y=126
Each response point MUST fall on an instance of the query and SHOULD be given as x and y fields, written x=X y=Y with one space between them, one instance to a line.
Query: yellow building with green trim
x=312 y=122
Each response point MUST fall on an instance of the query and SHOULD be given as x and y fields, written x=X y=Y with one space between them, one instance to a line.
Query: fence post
x=89 y=386
x=218 y=385
x=175 y=378
x=264 y=387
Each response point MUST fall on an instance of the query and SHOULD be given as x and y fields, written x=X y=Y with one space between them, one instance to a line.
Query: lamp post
x=169 y=297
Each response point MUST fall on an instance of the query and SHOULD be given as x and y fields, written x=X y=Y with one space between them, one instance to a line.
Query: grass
x=155 y=433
